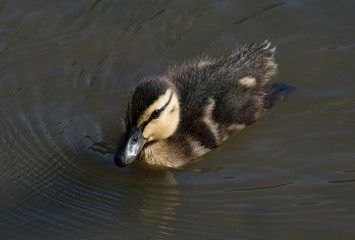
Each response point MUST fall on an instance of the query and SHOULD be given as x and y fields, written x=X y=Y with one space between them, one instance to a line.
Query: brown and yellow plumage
x=191 y=109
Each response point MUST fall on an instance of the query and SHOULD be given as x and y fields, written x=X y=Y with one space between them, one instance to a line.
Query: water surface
x=66 y=70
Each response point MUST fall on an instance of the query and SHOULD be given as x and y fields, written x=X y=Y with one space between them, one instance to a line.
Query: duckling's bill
x=130 y=148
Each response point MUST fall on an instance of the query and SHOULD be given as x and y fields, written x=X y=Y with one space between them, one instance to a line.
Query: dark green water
x=66 y=69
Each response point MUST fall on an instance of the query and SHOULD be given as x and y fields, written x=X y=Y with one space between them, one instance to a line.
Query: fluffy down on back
x=191 y=109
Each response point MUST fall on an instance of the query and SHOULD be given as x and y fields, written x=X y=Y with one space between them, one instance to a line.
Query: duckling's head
x=153 y=114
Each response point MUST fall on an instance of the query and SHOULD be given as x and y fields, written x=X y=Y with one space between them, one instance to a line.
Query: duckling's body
x=189 y=110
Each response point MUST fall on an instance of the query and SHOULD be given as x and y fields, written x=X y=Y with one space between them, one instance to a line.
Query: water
x=65 y=73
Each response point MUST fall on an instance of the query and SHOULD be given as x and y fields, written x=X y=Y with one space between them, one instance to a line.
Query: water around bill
x=66 y=69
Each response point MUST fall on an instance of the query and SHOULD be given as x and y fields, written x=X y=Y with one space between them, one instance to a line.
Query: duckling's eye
x=155 y=114
x=134 y=140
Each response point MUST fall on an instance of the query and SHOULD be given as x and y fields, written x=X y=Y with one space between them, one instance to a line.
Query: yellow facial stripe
x=166 y=124
x=159 y=103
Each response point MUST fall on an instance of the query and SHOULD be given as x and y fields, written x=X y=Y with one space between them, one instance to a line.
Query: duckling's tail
x=277 y=93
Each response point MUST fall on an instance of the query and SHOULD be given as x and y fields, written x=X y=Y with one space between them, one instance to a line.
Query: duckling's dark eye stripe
x=158 y=111
x=163 y=108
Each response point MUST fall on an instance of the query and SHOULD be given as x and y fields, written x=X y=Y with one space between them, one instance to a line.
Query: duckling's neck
x=159 y=154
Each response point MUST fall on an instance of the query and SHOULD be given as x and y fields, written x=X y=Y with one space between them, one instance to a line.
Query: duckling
x=174 y=118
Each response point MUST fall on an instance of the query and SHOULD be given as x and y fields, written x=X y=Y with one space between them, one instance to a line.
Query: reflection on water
x=66 y=70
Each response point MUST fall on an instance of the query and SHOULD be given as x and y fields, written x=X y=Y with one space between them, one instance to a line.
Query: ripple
x=260 y=188
x=265 y=9
x=45 y=179
x=342 y=181
x=69 y=188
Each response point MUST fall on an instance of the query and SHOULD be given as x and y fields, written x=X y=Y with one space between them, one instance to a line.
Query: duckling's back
x=221 y=96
